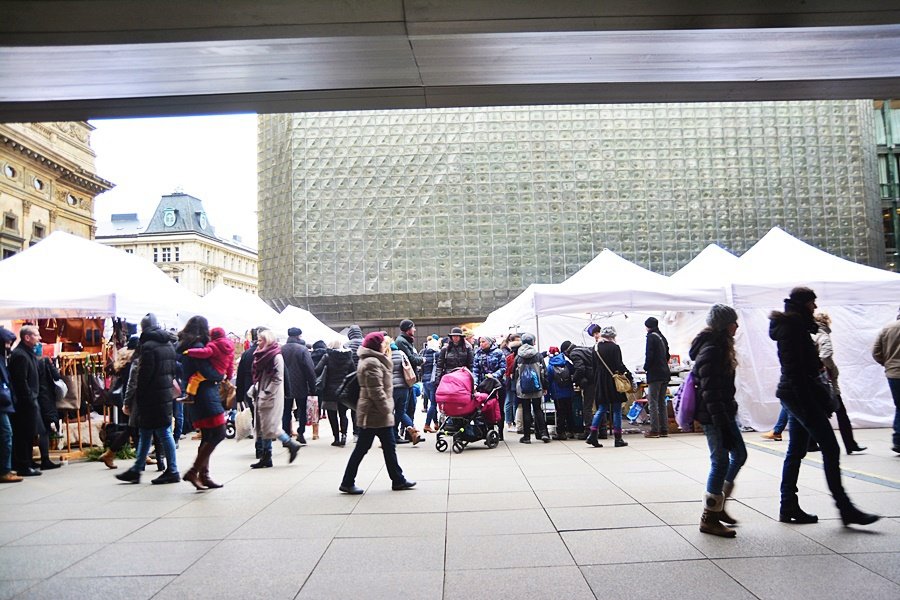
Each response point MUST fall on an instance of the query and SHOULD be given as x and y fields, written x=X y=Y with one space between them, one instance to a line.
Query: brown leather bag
x=227 y=393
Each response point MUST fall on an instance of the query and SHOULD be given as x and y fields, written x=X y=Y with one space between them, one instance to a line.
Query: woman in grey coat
x=268 y=397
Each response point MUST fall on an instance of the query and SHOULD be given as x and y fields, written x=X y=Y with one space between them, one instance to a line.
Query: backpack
x=348 y=392
x=529 y=380
x=561 y=375
x=685 y=403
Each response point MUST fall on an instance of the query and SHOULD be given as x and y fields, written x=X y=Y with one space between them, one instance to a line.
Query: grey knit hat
x=608 y=332
x=528 y=338
x=721 y=316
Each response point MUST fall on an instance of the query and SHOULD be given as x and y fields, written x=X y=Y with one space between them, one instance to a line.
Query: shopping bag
x=243 y=424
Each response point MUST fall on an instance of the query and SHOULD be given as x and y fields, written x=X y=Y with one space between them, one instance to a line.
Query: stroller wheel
x=229 y=430
x=493 y=439
x=458 y=447
x=441 y=444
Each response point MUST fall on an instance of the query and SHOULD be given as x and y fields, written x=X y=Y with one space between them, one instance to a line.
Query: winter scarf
x=264 y=361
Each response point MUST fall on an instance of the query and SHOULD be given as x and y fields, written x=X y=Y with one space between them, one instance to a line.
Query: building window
x=38 y=231
x=38 y=184
x=71 y=200
x=177 y=279
x=177 y=253
x=10 y=171
x=129 y=250
x=155 y=254
x=7 y=252
x=166 y=254
x=11 y=222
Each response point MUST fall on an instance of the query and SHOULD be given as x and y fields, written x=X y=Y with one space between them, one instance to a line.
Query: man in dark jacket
x=24 y=375
x=7 y=409
x=458 y=353
x=299 y=381
x=406 y=343
x=153 y=395
x=809 y=406
x=583 y=376
x=656 y=364
x=354 y=341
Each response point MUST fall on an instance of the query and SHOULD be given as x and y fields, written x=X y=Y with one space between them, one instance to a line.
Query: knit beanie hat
x=374 y=341
x=133 y=342
x=394 y=346
x=435 y=336
x=294 y=332
x=528 y=338
x=652 y=323
x=564 y=347
x=406 y=325
x=592 y=328
x=553 y=350
x=801 y=295
x=608 y=332
x=721 y=316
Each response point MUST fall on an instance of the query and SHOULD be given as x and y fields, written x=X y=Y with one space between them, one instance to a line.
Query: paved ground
x=560 y=520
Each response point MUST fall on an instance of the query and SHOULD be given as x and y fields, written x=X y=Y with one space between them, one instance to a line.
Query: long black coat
x=339 y=364
x=299 y=370
x=47 y=394
x=714 y=378
x=154 y=391
x=656 y=358
x=24 y=373
x=244 y=377
x=605 y=385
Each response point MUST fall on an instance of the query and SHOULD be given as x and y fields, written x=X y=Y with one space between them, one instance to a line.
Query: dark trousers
x=529 y=406
x=388 y=448
x=844 y=426
x=300 y=414
x=563 y=415
x=338 y=421
x=287 y=416
x=24 y=426
x=804 y=424
x=589 y=405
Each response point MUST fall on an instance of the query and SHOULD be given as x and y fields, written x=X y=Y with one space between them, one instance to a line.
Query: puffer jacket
x=528 y=354
x=376 y=400
x=354 y=341
x=453 y=356
x=799 y=388
x=397 y=378
x=429 y=356
x=582 y=366
x=714 y=378
x=154 y=392
x=488 y=362
x=339 y=363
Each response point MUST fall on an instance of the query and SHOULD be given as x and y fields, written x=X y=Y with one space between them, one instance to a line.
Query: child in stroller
x=468 y=415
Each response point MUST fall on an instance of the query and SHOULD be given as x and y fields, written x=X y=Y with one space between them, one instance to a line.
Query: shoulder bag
x=409 y=374
x=622 y=383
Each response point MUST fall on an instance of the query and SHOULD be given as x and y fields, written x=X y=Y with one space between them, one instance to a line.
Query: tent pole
x=537 y=331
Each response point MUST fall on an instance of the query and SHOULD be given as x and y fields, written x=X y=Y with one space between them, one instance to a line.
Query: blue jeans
x=895 y=392
x=178 y=413
x=431 y=417
x=6 y=436
x=813 y=424
x=509 y=406
x=724 y=464
x=401 y=396
x=367 y=435
x=411 y=405
x=428 y=393
x=145 y=438
x=616 y=416
x=266 y=445
x=782 y=421
x=656 y=406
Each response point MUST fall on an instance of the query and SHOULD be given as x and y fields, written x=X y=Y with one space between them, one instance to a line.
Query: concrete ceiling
x=79 y=59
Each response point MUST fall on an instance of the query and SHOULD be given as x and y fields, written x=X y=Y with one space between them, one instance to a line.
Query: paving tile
x=140 y=558
x=274 y=526
x=886 y=564
x=38 y=562
x=170 y=529
x=499 y=522
x=882 y=536
x=602 y=517
x=503 y=551
x=606 y=546
x=90 y=531
x=407 y=501
x=664 y=581
x=91 y=588
x=586 y=497
x=829 y=577
x=13 y=530
x=492 y=501
x=9 y=588
x=380 y=555
x=518 y=584
x=497 y=484
x=766 y=538
x=419 y=585
x=430 y=525
x=592 y=482
x=123 y=509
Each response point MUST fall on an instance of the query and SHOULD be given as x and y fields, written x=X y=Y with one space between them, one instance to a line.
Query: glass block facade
x=382 y=215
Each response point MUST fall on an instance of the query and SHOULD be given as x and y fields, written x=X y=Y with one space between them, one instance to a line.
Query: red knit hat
x=374 y=340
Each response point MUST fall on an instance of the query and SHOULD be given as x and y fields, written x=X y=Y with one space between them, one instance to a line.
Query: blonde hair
x=335 y=344
x=823 y=319
x=266 y=335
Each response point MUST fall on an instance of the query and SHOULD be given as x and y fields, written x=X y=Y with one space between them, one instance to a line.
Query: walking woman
x=375 y=414
x=337 y=363
x=207 y=410
x=268 y=397
x=608 y=360
x=822 y=338
x=714 y=366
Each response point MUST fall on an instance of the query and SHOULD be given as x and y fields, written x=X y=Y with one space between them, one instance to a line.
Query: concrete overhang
x=74 y=60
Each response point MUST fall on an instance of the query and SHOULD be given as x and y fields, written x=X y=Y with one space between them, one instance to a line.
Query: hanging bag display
x=623 y=384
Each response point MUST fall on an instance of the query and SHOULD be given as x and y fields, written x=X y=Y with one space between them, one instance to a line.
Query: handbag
x=320 y=382
x=825 y=392
x=409 y=374
x=72 y=399
x=623 y=384
x=227 y=392
x=61 y=389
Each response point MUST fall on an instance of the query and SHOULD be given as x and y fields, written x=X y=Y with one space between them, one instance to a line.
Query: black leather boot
x=592 y=439
x=265 y=461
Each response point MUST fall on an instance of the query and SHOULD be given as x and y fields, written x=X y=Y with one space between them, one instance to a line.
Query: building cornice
x=85 y=180
x=190 y=236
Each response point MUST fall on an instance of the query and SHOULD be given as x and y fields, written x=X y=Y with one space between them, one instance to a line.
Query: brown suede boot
x=108 y=458
x=202 y=464
x=727 y=490
x=712 y=511
x=193 y=477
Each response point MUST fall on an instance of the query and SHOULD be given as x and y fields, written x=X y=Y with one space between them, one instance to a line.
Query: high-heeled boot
x=108 y=458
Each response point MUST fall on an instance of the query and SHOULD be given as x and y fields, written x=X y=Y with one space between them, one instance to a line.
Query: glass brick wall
x=371 y=215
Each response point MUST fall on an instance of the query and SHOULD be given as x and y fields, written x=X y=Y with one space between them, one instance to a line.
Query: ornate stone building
x=446 y=214
x=47 y=182
x=183 y=243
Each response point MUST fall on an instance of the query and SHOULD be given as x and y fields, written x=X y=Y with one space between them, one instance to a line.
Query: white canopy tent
x=313 y=329
x=66 y=276
x=237 y=311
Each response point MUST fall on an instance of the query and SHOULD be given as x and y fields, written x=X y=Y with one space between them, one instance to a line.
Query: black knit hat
x=652 y=323
x=295 y=332
x=801 y=295
x=406 y=325
x=564 y=347
x=133 y=342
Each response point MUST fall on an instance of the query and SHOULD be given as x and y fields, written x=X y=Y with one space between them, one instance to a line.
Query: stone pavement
x=559 y=520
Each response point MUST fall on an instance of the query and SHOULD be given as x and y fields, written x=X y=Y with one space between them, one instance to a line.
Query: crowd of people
x=161 y=371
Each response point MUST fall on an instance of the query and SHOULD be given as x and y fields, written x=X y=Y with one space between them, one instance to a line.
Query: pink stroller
x=469 y=415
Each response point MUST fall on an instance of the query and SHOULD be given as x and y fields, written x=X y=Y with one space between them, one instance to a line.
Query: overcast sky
x=211 y=158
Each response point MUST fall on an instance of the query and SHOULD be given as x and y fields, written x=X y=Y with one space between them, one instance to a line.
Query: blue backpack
x=529 y=379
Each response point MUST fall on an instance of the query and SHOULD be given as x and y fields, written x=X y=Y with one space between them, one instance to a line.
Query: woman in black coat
x=49 y=415
x=338 y=363
x=608 y=357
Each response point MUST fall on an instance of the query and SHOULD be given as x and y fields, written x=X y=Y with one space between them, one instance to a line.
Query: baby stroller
x=469 y=415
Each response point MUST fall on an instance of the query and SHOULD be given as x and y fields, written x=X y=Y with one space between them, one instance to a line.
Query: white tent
x=237 y=311
x=313 y=329
x=68 y=276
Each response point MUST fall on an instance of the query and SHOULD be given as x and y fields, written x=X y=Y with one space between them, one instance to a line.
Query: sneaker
x=771 y=435
x=525 y=440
